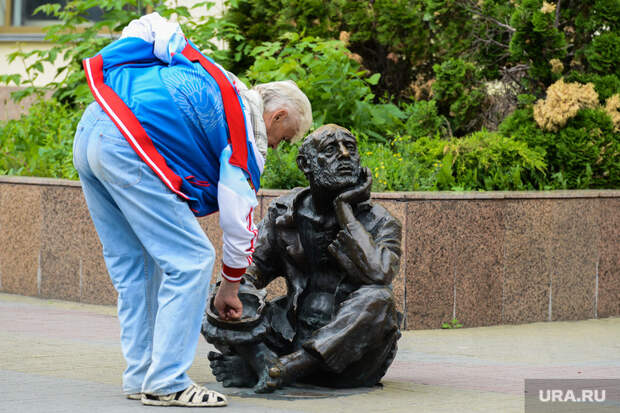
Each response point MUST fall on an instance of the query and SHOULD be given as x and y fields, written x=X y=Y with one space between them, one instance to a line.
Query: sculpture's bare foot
x=231 y=370
x=285 y=370
x=269 y=379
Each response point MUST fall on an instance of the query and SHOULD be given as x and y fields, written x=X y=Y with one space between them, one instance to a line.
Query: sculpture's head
x=329 y=159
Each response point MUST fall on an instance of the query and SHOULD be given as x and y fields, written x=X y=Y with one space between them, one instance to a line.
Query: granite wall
x=484 y=258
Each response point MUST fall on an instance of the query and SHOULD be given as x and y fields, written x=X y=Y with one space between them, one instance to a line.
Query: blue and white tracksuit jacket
x=183 y=116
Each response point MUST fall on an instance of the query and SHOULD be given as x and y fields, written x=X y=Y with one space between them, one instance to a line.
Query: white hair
x=286 y=94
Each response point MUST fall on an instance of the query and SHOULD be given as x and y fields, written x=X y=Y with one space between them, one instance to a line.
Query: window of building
x=23 y=13
x=18 y=16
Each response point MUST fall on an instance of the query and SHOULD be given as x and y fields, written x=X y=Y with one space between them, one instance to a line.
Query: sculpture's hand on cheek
x=360 y=192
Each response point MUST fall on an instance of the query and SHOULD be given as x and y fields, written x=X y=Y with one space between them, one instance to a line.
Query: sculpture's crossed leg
x=360 y=339
x=263 y=370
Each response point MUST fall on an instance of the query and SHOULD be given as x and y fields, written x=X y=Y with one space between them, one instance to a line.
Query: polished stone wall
x=483 y=258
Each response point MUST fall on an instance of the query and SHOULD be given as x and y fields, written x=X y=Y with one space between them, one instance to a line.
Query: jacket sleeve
x=167 y=37
x=237 y=201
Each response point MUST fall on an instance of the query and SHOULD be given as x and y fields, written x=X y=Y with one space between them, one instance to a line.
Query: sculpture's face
x=336 y=164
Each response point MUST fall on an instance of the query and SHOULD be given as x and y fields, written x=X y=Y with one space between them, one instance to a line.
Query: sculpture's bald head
x=329 y=158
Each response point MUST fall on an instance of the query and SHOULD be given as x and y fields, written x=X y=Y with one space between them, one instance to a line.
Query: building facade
x=23 y=29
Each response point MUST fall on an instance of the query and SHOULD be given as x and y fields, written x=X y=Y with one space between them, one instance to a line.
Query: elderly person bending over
x=172 y=136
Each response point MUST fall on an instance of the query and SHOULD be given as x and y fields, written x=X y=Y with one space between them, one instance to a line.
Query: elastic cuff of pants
x=232 y=275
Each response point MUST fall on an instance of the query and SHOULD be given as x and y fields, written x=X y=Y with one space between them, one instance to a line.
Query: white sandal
x=193 y=396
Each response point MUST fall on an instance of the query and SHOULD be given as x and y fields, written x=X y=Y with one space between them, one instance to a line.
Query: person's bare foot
x=231 y=370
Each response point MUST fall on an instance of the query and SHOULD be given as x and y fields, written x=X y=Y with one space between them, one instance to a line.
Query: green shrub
x=388 y=35
x=536 y=40
x=458 y=93
x=480 y=161
x=394 y=167
x=605 y=86
x=323 y=70
x=422 y=119
x=583 y=154
x=281 y=170
x=363 y=83
x=490 y=161
x=603 y=53
x=40 y=142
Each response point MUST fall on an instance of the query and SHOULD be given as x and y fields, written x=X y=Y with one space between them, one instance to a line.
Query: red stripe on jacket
x=129 y=125
x=235 y=118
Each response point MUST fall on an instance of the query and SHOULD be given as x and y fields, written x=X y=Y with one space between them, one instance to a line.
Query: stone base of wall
x=483 y=258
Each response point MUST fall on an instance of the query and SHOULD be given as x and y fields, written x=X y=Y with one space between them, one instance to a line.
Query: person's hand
x=227 y=302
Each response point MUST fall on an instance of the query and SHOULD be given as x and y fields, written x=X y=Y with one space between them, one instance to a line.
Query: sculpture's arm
x=367 y=259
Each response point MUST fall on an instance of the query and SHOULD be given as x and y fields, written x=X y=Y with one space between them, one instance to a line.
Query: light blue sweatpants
x=158 y=257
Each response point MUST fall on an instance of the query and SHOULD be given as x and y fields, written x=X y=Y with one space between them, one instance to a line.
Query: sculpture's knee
x=374 y=295
x=377 y=305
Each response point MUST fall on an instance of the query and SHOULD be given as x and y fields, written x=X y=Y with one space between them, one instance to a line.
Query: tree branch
x=492 y=41
x=556 y=23
x=478 y=12
x=512 y=74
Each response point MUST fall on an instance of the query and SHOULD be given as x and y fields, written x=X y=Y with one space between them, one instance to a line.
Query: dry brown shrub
x=354 y=56
x=569 y=32
x=556 y=66
x=563 y=101
x=547 y=7
x=612 y=107
x=421 y=88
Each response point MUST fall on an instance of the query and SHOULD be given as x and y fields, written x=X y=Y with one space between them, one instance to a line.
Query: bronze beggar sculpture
x=338 y=325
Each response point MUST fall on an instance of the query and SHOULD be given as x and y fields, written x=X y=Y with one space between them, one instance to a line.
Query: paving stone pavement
x=65 y=357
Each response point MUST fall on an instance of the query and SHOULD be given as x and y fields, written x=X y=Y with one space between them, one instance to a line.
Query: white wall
x=17 y=66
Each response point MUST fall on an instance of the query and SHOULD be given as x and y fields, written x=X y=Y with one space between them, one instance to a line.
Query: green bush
x=387 y=163
x=603 y=53
x=480 y=161
x=395 y=167
x=458 y=93
x=605 y=86
x=388 y=35
x=40 y=142
x=583 y=154
x=365 y=82
x=281 y=169
x=422 y=120
x=490 y=161
x=447 y=21
x=323 y=70
x=536 y=40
